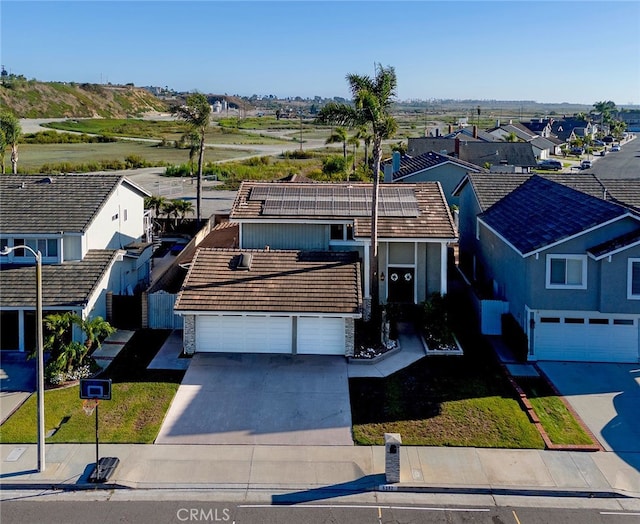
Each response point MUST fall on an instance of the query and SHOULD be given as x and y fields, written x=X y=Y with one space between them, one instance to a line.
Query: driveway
x=261 y=399
x=605 y=396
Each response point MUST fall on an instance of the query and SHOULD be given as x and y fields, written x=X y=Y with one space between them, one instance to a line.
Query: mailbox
x=392 y=443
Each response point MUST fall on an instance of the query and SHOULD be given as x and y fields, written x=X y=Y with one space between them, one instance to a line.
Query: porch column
x=443 y=268
x=366 y=306
x=21 y=330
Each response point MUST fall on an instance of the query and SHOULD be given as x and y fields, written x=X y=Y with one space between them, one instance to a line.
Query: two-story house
x=563 y=253
x=302 y=270
x=93 y=235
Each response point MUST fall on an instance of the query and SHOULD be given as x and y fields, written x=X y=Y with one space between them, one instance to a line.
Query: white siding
x=243 y=334
x=321 y=336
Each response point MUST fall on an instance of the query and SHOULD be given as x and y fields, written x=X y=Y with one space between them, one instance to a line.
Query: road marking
x=516 y=516
x=356 y=506
x=620 y=513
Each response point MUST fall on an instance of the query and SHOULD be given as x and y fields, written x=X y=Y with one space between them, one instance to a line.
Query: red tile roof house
x=300 y=277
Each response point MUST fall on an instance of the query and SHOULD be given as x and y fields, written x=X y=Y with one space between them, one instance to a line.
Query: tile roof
x=277 y=281
x=64 y=285
x=624 y=191
x=496 y=153
x=616 y=244
x=50 y=204
x=541 y=212
x=410 y=165
x=428 y=216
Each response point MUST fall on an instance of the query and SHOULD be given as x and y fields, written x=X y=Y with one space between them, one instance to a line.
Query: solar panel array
x=334 y=200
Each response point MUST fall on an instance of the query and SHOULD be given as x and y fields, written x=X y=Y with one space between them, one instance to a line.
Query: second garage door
x=320 y=336
x=243 y=334
x=588 y=338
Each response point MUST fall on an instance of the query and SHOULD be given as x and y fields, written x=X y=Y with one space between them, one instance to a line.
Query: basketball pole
x=98 y=477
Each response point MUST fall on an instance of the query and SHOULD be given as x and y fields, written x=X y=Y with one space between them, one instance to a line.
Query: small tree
x=11 y=131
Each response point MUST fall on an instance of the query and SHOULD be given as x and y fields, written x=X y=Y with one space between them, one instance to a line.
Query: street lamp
x=40 y=349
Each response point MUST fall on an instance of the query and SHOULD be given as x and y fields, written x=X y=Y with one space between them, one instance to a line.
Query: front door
x=401 y=285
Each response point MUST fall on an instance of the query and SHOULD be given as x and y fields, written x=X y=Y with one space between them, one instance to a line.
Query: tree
x=183 y=208
x=355 y=142
x=197 y=113
x=339 y=135
x=605 y=108
x=156 y=203
x=11 y=132
x=95 y=329
x=510 y=137
x=371 y=108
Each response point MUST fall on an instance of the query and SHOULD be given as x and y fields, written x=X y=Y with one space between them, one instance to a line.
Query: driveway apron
x=261 y=399
x=605 y=396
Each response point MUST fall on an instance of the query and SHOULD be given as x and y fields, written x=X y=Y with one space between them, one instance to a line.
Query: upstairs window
x=633 y=287
x=566 y=272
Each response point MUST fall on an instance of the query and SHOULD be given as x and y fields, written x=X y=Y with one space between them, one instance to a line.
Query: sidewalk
x=320 y=470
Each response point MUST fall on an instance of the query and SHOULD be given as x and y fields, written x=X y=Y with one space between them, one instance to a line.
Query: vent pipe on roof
x=245 y=262
x=396 y=161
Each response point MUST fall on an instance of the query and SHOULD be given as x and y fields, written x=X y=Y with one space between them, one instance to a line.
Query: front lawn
x=442 y=401
x=140 y=399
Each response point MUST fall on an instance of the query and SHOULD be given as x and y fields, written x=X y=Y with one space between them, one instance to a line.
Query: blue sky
x=575 y=51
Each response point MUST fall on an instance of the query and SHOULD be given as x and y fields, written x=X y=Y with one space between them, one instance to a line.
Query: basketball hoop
x=89 y=405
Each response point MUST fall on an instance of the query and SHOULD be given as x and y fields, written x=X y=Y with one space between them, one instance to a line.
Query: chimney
x=396 y=161
x=437 y=132
x=457 y=149
x=498 y=122
x=388 y=173
x=450 y=129
x=475 y=131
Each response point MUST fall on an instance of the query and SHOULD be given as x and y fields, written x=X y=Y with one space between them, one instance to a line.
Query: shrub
x=334 y=165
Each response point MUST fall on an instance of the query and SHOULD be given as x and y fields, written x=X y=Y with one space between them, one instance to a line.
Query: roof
x=277 y=281
x=63 y=285
x=406 y=210
x=495 y=153
x=489 y=188
x=50 y=204
x=624 y=191
x=412 y=165
x=541 y=212
x=616 y=244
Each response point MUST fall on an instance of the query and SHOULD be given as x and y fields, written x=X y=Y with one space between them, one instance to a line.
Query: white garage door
x=588 y=338
x=243 y=334
x=320 y=336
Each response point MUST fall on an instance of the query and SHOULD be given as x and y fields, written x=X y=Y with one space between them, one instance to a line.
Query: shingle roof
x=496 y=153
x=541 y=212
x=429 y=216
x=411 y=165
x=64 y=285
x=43 y=204
x=277 y=281
x=619 y=243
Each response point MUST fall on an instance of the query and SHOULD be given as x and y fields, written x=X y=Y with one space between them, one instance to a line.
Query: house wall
x=614 y=282
x=119 y=222
x=469 y=210
x=72 y=247
x=285 y=236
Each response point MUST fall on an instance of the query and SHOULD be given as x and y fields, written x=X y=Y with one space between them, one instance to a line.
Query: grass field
x=140 y=399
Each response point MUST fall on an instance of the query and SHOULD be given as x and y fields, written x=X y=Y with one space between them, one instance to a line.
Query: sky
x=579 y=51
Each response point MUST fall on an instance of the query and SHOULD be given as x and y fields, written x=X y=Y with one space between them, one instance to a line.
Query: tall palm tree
x=354 y=141
x=183 y=207
x=10 y=132
x=371 y=108
x=339 y=135
x=197 y=113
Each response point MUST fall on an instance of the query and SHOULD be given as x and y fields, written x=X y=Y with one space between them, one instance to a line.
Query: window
x=337 y=232
x=566 y=272
x=633 y=286
x=48 y=247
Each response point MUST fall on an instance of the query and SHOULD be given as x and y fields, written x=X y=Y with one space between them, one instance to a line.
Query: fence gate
x=161 y=315
x=127 y=312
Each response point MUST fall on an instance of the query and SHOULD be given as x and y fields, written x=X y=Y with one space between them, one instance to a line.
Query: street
x=188 y=510
x=621 y=164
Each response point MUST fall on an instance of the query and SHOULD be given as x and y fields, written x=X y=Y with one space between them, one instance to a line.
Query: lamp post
x=39 y=349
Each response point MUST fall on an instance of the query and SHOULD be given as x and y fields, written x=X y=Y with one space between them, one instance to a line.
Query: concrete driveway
x=261 y=399
x=606 y=397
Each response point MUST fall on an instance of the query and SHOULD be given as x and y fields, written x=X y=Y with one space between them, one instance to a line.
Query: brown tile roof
x=63 y=285
x=624 y=191
x=406 y=211
x=278 y=281
x=50 y=204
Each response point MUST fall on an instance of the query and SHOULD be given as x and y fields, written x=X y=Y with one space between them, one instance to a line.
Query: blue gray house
x=562 y=254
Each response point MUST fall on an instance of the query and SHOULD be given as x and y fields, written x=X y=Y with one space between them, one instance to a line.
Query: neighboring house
x=446 y=144
x=518 y=154
x=563 y=255
x=429 y=167
x=94 y=237
x=304 y=245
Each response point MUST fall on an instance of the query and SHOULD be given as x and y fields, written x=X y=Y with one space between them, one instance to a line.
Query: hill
x=33 y=99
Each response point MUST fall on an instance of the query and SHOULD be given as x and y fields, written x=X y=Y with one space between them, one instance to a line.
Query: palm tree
x=170 y=208
x=156 y=203
x=339 y=135
x=372 y=99
x=182 y=208
x=355 y=142
x=94 y=330
x=9 y=136
x=197 y=113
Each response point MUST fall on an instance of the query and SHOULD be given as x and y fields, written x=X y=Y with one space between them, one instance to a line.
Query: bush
x=334 y=165
x=435 y=321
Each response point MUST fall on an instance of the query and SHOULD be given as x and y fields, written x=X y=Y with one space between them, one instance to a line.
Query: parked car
x=607 y=139
x=615 y=148
x=585 y=164
x=598 y=143
x=577 y=150
x=551 y=165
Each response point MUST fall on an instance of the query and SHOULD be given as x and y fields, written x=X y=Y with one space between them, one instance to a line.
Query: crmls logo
x=203 y=515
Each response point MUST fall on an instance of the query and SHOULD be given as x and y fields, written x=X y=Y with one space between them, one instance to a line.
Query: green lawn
x=556 y=419
x=140 y=399
x=442 y=401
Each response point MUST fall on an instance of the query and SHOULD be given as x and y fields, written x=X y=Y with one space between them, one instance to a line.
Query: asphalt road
x=170 y=512
x=622 y=164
